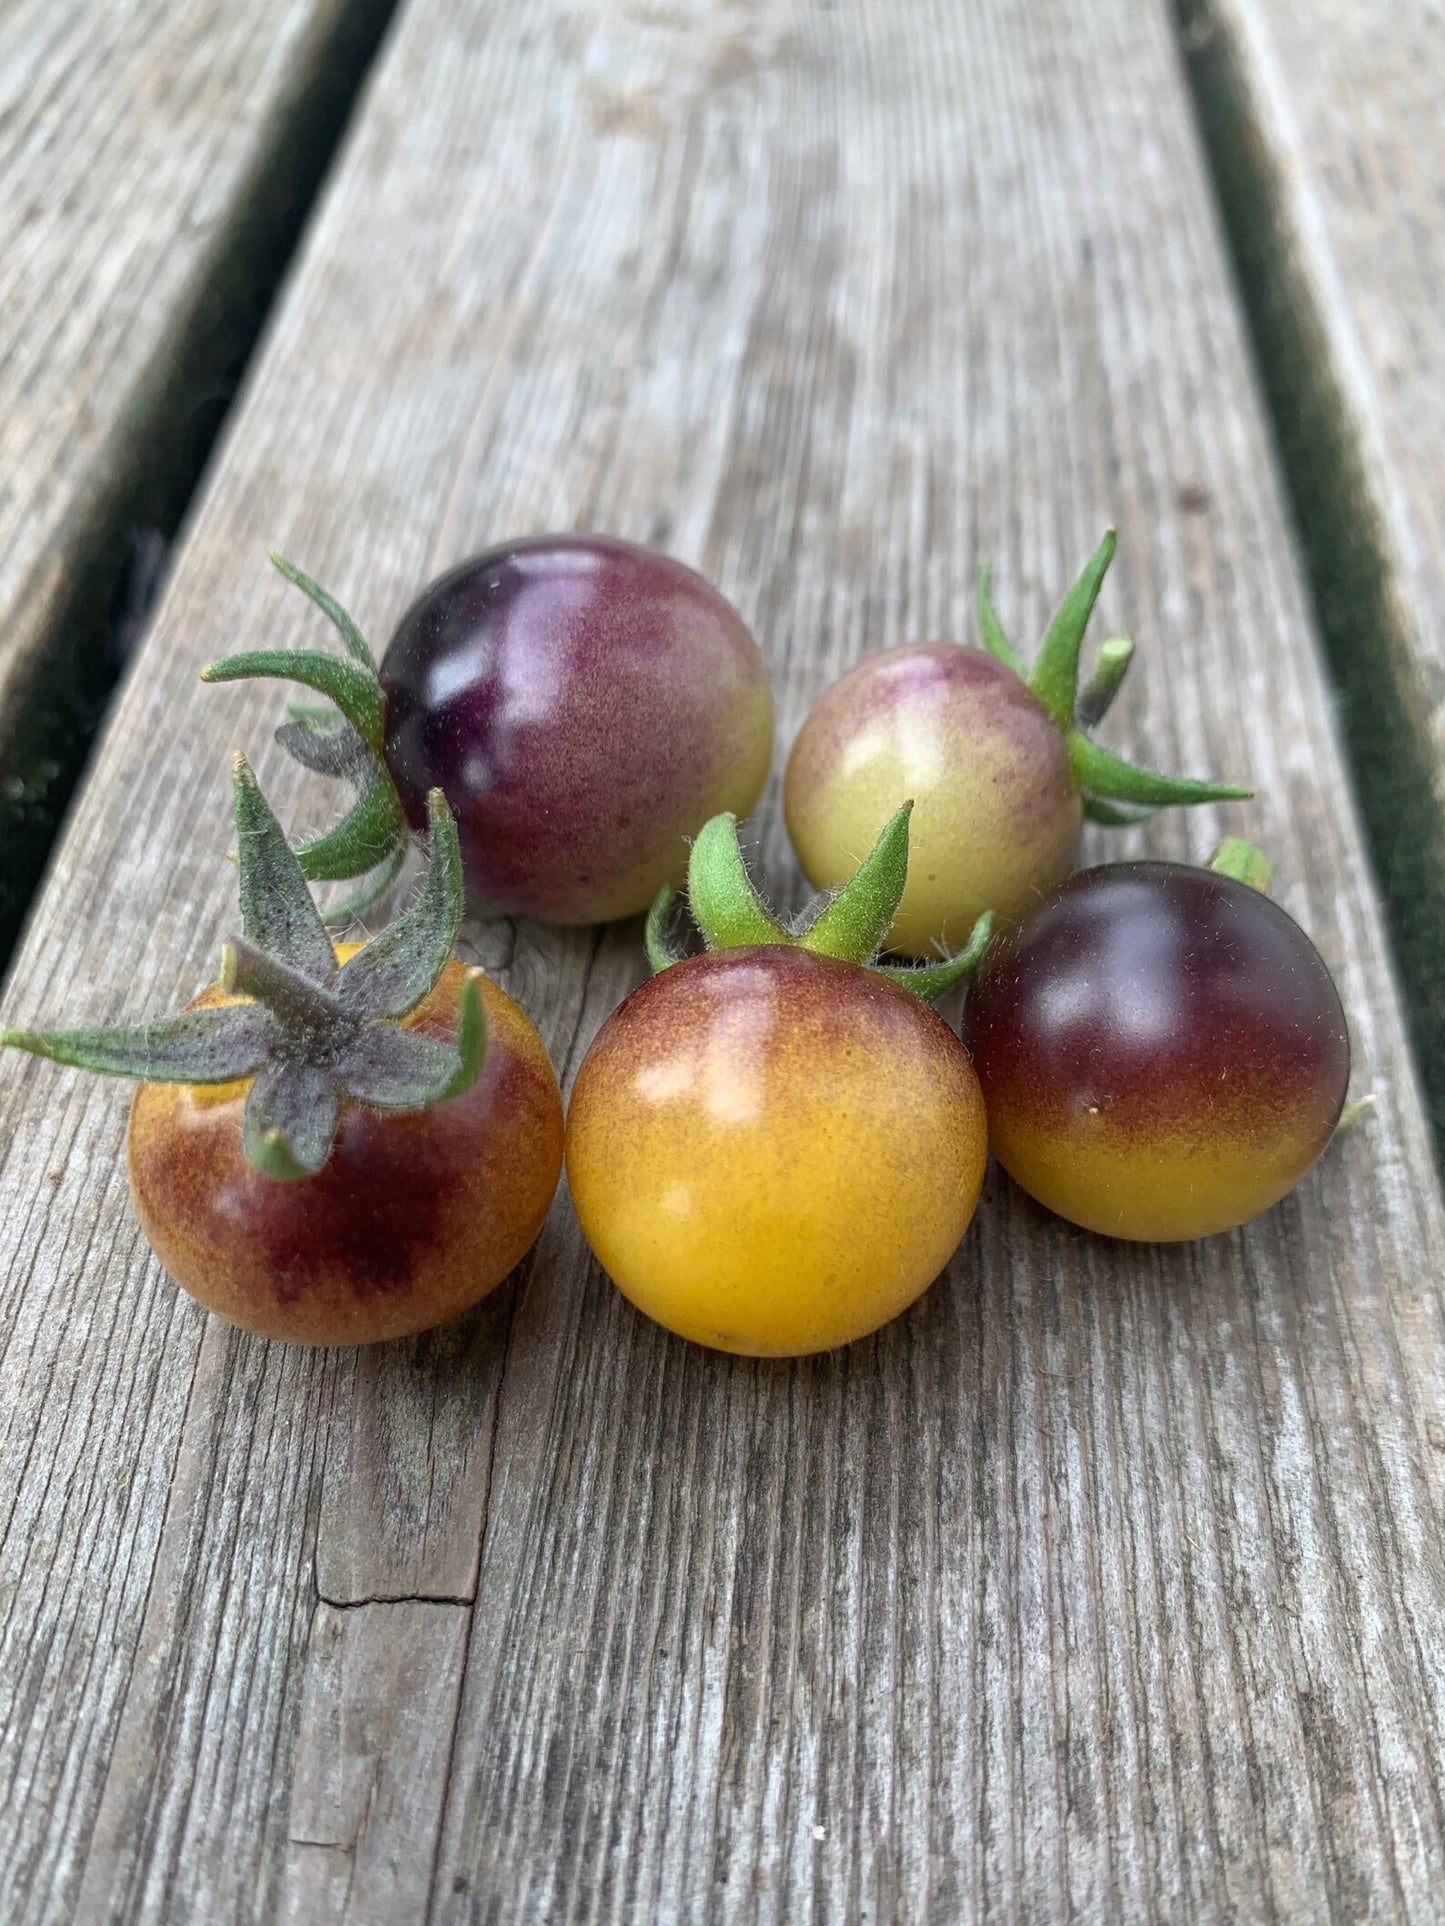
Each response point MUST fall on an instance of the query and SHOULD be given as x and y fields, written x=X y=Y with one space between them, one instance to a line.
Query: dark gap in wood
x=1338 y=538
x=389 y=1598
x=137 y=508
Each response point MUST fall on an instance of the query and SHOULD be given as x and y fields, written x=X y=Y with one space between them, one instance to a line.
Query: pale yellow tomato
x=997 y=814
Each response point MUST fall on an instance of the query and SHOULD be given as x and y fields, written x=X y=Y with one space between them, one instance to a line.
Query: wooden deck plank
x=1109 y=1581
x=156 y=159
x=1326 y=133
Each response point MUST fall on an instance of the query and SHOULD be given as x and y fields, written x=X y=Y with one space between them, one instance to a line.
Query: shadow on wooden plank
x=1366 y=629
x=98 y=594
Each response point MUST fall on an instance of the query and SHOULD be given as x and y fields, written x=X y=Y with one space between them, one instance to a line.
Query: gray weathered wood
x=1106 y=1583
x=1327 y=131
x=153 y=156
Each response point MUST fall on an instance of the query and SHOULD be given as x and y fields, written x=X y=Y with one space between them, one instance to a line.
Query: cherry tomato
x=998 y=760
x=998 y=816
x=584 y=704
x=1162 y=1051
x=772 y=1151
x=413 y=1218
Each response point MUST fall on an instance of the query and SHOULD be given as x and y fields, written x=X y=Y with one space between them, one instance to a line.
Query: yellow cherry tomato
x=997 y=814
x=774 y=1152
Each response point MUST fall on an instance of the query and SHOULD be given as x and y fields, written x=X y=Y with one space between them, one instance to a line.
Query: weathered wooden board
x=1106 y=1583
x=155 y=158
x=1326 y=128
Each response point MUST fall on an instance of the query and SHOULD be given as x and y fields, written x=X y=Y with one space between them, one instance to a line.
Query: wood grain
x=156 y=157
x=1325 y=129
x=1108 y=1583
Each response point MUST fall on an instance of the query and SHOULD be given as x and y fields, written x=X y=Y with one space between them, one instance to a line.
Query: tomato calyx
x=850 y=923
x=346 y=740
x=314 y=1031
x=1246 y=864
x=1114 y=792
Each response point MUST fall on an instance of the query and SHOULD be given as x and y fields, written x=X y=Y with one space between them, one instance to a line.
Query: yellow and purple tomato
x=1162 y=1051
x=586 y=705
x=413 y=1218
x=997 y=813
x=774 y=1152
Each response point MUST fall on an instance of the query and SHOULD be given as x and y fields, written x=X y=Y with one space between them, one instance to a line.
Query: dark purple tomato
x=1161 y=1049
x=586 y=705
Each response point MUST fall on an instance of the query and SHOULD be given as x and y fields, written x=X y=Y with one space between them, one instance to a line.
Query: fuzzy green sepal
x=314 y=1032
x=850 y=924
x=371 y=840
x=1246 y=864
x=1104 y=779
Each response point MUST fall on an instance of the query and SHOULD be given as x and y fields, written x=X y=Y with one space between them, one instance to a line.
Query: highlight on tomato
x=1000 y=762
x=774 y=1147
x=334 y=1146
x=1162 y=1051
x=584 y=704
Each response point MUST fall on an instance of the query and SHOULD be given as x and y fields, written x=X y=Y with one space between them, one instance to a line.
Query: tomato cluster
x=776 y=1144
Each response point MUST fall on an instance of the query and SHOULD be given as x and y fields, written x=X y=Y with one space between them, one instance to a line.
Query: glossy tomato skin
x=414 y=1218
x=774 y=1153
x=1162 y=1051
x=586 y=705
x=997 y=815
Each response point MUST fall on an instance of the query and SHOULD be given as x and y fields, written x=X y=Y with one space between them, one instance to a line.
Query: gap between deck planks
x=1107 y=1582
x=1328 y=144
x=157 y=162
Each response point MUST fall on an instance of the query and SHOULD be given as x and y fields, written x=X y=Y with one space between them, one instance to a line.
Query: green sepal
x=930 y=981
x=368 y=835
x=1096 y=698
x=217 y=1045
x=1113 y=815
x=991 y=629
x=472 y=1040
x=311 y=1036
x=389 y=1068
x=1100 y=773
x=352 y=639
x=355 y=691
x=1055 y=680
x=853 y=923
x=660 y=952
x=327 y=745
x=395 y=970
x=725 y=906
x=315 y=1023
x=1246 y=864
x=289 y=1124
x=277 y=911
x=375 y=885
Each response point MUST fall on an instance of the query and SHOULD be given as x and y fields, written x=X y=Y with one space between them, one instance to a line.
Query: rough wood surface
x=1328 y=137
x=1108 y=1583
x=154 y=157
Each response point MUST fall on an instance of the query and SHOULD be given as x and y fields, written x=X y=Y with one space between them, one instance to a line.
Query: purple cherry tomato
x=585 y=705
x=1161 y=1049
